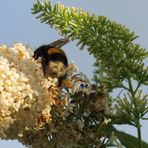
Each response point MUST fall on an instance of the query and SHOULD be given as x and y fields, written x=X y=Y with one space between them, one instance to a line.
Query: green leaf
x=129 y=141
x=126 y=139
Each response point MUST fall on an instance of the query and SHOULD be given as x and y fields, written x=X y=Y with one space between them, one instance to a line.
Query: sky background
x=17 y=24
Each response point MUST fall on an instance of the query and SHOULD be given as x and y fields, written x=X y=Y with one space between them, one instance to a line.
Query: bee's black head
x=39 y=52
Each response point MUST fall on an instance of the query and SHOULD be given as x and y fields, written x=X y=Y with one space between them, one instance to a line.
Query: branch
x=117 y=57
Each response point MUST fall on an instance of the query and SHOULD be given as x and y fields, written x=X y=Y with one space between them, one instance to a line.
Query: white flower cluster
x=24 y=95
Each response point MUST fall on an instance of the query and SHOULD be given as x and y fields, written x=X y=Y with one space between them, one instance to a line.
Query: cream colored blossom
x=23 y=91
x=106 y=121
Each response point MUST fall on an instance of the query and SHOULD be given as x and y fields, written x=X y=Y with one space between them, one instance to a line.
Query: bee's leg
x=44 y=66
x=60 y=80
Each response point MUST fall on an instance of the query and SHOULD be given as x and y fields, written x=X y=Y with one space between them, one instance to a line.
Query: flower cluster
x=35 y=111
x=79 y=116
x=24 y=95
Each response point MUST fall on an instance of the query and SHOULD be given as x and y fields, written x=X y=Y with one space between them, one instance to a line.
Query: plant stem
x=139 y=134
x=133 y=93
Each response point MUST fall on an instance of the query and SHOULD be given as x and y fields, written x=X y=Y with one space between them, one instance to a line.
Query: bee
x=53 y=59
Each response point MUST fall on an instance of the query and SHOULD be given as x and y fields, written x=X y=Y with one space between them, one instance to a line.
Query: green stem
x=137 y=87
x=131 y=88
x=139 y=134
x=138 y=118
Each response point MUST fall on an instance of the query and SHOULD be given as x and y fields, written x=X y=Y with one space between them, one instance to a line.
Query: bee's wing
x=59 y=43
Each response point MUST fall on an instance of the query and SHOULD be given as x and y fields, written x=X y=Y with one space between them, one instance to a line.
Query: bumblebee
x=54 y=60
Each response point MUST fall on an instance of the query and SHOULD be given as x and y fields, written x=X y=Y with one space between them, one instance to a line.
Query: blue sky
x=19 y=25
